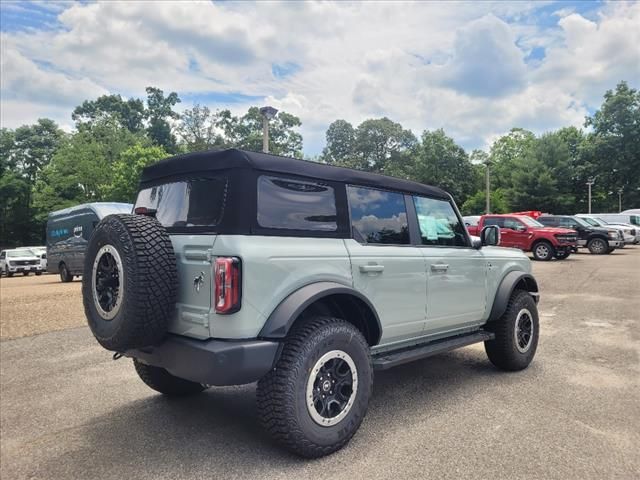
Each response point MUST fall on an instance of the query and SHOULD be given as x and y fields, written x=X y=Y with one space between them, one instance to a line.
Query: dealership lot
x=68 y=411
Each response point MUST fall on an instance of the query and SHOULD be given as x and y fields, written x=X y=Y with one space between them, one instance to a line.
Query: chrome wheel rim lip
x=311 y=382
x=523 y=331
x=111 y=313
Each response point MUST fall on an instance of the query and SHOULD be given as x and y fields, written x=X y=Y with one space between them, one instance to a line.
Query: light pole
x=267 y=114
x=487 y=164
x=589 y=183
x=619 y=200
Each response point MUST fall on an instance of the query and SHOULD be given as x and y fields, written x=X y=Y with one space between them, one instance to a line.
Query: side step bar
x=386 y=360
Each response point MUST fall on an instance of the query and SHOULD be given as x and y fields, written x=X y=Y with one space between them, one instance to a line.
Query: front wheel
x=543 y=251
x=516 y=334
x=38 y=274
x=598 y=246
x=65 y=275
x=316 y=397
x=162 y=381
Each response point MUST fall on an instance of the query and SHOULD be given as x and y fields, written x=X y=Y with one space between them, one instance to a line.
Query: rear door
x=190 y=209
x=385 y=266
x=456 y=272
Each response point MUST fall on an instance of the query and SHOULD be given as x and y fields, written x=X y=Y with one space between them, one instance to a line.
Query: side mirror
x=490 y=235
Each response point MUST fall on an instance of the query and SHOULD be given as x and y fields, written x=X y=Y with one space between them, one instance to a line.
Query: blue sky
x=475 y=69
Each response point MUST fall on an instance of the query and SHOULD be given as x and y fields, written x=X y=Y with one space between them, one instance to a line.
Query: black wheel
x=162 y=381
x=516 y=333
x=598 y=246
x=38 y=274
x=543 y=251
x=129 y=282
x=316 y=397
x=25 y=274
x=65 y=275
x=8 y=273
x=561 y=255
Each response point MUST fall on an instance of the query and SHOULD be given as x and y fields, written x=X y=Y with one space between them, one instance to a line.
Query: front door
x=385 y=267
x=456 y=272
x=514 y=234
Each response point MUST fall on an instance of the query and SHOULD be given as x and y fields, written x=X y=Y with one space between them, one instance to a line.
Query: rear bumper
x=211 y=362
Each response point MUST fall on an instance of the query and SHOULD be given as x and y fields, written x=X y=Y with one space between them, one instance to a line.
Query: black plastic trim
x=507 y=287
x=281 y=319
x=211 y=362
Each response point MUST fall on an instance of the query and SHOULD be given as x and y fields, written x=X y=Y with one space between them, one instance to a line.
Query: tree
x=438 y=160
x=507 y=152
x=341 y=139
x=197 y=129
x=476 y=203
x=614 y=146
x=130 y=114
x=381 y=145
x=125 y=172
x=33 y=146
x=160 y=112
x=246 y=132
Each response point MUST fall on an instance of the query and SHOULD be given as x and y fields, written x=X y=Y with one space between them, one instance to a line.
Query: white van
x=631 y=218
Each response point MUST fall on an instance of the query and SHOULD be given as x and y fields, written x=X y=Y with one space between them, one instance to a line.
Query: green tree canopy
x=130 y=114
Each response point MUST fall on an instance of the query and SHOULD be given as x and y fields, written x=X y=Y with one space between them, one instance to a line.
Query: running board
x=386 y=360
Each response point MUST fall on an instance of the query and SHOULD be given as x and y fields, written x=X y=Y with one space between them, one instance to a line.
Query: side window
x=548 y=221
x=378 y=216
x=439 y=224
x=497 y=221
x=513 y=224
x=3 y=255
x=568 y=222
x=296 y=205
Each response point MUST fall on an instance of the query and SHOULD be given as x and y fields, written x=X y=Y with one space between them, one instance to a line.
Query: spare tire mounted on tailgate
x=129 y=282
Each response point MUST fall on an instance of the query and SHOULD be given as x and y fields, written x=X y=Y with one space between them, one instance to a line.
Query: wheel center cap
x=326 y=385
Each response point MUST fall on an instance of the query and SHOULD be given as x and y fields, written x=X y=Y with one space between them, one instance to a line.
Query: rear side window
x=439 y=224
x=296 y=205
x=378 y=216
x=497 y=221
x=188 y=203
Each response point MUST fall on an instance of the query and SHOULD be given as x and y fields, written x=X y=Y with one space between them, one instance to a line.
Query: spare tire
x=130 y=282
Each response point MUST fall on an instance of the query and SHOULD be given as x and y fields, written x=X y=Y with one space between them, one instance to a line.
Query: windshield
x=581 y=221
x=591 y=221
x=19 y=253
x=530 y=222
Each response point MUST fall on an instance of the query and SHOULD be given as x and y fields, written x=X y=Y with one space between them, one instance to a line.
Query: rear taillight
x=227 y=292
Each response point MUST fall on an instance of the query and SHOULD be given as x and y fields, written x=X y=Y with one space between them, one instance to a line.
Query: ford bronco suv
x=238 y=267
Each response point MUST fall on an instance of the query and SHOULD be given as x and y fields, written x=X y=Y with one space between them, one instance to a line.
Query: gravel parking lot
x=68 y=411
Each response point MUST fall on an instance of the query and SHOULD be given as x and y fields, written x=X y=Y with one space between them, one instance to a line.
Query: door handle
x=372 y=268
x=439 y=267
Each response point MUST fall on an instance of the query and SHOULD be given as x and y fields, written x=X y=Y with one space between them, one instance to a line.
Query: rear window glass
x=296 y=205
x=378 y=216
x=188 y=203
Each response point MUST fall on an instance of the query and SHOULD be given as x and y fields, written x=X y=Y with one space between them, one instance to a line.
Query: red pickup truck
x=525 y=233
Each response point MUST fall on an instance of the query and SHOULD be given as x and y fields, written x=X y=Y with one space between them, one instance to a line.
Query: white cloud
x=427 y=65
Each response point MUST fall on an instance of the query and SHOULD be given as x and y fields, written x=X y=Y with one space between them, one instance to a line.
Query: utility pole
x=267 y=114
x=487 y=164
x=589 y=183
x=619 y=200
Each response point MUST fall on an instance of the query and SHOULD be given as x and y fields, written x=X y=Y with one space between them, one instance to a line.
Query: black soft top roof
x=213 y=160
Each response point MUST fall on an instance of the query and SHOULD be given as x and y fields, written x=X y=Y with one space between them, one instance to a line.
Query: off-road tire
x=162 y=381
x=562 y=255
x=543 y=251
x=502 y=350
x=598 y=246
x=65 y=276
x=282 y=393
x=148 y=282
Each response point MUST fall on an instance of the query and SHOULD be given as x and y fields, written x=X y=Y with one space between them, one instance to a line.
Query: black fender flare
x=282 y=318
x=508 y=284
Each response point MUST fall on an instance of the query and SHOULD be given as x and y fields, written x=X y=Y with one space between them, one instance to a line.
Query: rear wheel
x=543 y=251
x=65 y=275
x=162 y=381
x=516 y=334
x=598 y=246
x=316 y=397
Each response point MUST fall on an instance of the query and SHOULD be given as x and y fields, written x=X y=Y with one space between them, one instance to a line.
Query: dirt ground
x=32 y=305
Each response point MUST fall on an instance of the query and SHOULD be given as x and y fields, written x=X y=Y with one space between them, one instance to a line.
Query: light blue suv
x=239 y=267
